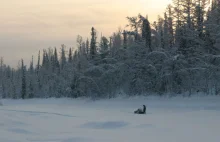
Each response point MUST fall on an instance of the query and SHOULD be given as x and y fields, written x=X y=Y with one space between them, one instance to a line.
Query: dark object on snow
x=141 y=111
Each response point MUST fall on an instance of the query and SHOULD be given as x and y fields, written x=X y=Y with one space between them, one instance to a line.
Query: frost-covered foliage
x=179 y=54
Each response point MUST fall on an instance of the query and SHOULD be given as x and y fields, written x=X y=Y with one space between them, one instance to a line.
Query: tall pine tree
x=93 y=43
x=23 y=84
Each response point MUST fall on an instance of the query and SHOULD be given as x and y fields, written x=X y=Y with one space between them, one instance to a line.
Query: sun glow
x=35 y=25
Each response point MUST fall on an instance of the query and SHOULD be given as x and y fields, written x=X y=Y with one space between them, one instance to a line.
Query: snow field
x=82 y=120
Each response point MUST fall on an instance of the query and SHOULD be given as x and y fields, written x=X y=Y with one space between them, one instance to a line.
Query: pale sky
x=27 y=26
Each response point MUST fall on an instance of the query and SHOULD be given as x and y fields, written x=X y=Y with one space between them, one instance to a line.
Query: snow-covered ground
x=82 y=120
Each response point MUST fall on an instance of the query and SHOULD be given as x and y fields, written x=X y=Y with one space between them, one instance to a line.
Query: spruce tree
x=166 y=34
x=70 y=59
x=38 y=63
x=104 y=44
x=170 y=25
x=14 y=96
x=146 y=32
x=63 y=56
x=56 y=60
x=93 y=43
x=87 y=47
x=46 y=61
x=104 y=47
x=23 y=84
x=31 y=68
x=125 y=39
x=148 y=35
x=31 y=90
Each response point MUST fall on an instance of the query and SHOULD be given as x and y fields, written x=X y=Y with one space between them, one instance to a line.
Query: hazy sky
x=27 y=26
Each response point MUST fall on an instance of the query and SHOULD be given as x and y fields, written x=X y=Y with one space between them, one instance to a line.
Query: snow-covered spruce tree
x=24 y=85
x=60 y=82
x=63 y=57
x=160 y=33
x=81 y=61
x=13 y=89
x=30 y=78
x=38 y=63
x=1 y=76
x=31 y=68
x=104 y=46
x=212 y=27
x=46 y=74
x=79 y=42
x=5 y=79
x=75 y=91
x=70 y=57
x=170 y=25
x=45 y=60
x=30 y=90
x=38 y=79
x=93 y=50
x=166 y=34
x=70 y=79
x=87 y=47
x=125 y=39
x=116 y=42
x=129 y=76
x=147 y=32
x=56 y=64
x=81 y=46
x=3 y=88
x=8 y=76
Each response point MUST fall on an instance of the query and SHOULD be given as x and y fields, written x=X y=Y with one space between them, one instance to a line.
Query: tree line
x=177 y=54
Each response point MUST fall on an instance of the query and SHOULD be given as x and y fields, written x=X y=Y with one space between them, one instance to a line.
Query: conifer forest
x=177 y=54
